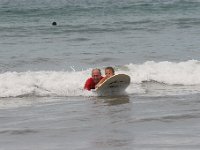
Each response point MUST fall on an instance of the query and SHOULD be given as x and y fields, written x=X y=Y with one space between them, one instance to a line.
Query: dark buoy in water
x=54 y=23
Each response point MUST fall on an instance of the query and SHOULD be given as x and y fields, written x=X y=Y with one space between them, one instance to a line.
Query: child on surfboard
x=109 y=72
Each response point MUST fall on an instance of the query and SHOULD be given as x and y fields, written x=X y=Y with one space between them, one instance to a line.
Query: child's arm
x=101 y=81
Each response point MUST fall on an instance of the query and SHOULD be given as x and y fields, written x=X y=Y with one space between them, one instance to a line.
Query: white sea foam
x=182 y=73
x=43 y=83
x=53 y=83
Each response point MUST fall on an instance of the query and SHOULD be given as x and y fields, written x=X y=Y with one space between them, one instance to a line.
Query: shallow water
x=126 y=122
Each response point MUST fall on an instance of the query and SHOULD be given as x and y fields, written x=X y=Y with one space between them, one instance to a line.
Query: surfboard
x=114 y=85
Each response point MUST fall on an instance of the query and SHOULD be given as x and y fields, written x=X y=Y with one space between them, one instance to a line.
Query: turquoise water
x=43 y=69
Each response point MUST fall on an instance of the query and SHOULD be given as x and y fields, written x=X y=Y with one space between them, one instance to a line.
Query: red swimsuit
x=89 y=84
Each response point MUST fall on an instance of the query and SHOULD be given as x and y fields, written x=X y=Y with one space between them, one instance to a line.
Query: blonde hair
x=110 y=68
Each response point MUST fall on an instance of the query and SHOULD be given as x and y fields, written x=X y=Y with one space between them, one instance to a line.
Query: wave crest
x=64 y=83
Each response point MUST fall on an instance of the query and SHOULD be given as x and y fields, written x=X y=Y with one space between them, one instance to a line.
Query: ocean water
x=43 y=69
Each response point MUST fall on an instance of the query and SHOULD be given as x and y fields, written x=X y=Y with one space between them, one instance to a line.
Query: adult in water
x=93 y=80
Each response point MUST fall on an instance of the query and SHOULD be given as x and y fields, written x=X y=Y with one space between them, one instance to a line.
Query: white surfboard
x=115 y=85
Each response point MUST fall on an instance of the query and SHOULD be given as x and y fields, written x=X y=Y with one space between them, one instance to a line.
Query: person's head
x=109 y=71
x=96 y=75
x=54 y=23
